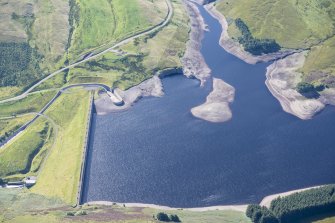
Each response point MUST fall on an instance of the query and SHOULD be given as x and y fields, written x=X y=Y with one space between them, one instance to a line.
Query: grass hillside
x=23 y=155
x=59 y=177
x=10 y=125
x=98 y=24
x=33 y=41
x=292 y=23
x=141 y=58
x=32 y=103
x=24 y=206
x=295 y=24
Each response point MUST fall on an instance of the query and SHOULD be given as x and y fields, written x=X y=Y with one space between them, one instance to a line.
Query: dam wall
x=86 y=145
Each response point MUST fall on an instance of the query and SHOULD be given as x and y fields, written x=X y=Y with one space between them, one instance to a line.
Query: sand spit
x=282 y=78
x=216 y=108
x=241 y=208
x=233 y=47
x=193 y=62
x=150 y=87
x=267 y=200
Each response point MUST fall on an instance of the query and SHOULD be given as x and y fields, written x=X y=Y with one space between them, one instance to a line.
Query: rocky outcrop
x=216 y=108
x=193 y=62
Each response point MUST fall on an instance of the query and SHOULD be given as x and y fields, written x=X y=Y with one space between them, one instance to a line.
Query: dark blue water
x=157 y=152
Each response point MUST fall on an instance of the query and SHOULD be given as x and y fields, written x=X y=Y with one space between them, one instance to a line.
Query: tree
x=304 y=87
x=174 y=218
x=161 y=216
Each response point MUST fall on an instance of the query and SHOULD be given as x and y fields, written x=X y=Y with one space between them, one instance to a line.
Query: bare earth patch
x=193 y=62
x=150 y=87
x=216 y=108
x=282 y=79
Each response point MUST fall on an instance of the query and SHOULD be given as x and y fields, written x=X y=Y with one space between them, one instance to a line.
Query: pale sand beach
x=241 y=208
x=267 y=200
x=282 y=78
x=193 y=61
x=216 y=108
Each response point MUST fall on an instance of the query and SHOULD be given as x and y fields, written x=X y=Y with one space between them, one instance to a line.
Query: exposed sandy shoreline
x=233 y=47
x=241 y=208
x=151 y=87
x=193 y=62
x=267 y=200
x=216 y=108
x=282 y=78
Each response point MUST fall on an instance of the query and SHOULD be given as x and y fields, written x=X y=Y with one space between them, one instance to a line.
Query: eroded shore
x=150 y=87
x=233 y=47
x=266 y=201
x=216 y=108
x=194 y=64
x=282 y=76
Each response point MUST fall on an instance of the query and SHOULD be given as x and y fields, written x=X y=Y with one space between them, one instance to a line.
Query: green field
x=319 y=66
x=30 y=46
x=32 y=103
x=140 y=59
x=59 y=177
x=9 y=125
x=293 y=24
x=18 y=156
x=24 y=206
x=99 y=24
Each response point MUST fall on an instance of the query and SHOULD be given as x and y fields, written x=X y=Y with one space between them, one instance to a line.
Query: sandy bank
x=241 y=208
x=267 y=200
x=282 y=78
x=216 y=108
x=233 y=47
x=193 y=62
x=150 y=87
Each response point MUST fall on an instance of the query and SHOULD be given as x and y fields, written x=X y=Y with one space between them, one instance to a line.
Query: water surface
x=157 y=152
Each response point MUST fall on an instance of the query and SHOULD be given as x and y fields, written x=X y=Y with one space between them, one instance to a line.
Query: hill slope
x=293 y=24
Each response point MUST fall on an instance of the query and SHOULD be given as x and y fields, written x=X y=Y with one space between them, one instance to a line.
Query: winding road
x=105 y=87
x=122 y=42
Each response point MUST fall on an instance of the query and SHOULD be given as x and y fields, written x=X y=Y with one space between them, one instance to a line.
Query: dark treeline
x=295 y=207
x=161 y=216
x=18 y=64
x=253 y=45
x=304 y=87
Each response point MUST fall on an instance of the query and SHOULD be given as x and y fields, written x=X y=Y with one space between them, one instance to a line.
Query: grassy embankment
x=10 y=125
x=63 y=131
x=140 y=59
x=14 y=208
x=26 y=33
x=96 y=27
x=292 y=24
x=16 y=113
x=32 y=103
x=69 y=142
x=59 y=177
x=24 y=155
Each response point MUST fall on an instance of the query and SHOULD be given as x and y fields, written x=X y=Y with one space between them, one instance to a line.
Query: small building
x=30 y=181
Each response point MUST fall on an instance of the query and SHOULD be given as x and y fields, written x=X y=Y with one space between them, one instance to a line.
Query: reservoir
x=158 y=153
